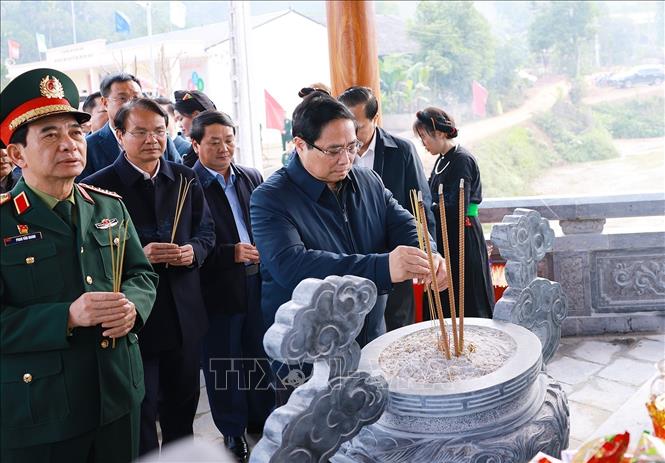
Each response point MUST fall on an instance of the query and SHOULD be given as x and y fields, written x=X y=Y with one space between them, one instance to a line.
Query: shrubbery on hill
x=575 y=134
x=641 y=118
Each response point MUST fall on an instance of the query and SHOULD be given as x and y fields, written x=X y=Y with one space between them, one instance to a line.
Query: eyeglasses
x=352 y=149
x=125 y=99
x=143 y=134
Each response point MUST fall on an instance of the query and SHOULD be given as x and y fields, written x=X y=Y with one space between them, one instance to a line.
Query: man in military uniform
x=71 y=373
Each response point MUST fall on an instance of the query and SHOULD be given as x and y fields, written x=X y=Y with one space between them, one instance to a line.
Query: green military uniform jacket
x=55 y=385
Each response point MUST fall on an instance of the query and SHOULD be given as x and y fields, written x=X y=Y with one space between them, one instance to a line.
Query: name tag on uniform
x=18 y=239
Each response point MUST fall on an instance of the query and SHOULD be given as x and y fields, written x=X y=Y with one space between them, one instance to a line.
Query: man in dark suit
x=103 y=145
x=399 y=166
x=170 y=342
x=234 y=362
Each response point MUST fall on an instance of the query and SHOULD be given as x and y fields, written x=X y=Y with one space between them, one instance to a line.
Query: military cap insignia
x=21 y=203
x=22 y=229
x=106 y=223
x=50 y=87
x=4 y=197
x=187 y=96
x=113 y=194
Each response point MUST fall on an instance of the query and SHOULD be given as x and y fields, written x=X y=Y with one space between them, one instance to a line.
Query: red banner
x=13 y=48
x=479 y=99
x=274 y=113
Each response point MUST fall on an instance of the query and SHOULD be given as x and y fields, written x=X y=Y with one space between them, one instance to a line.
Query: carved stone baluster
x=319 y=325
x=535 y=303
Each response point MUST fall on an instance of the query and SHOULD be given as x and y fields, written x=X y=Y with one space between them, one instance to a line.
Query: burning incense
x=435 y=285
x=446 y=255
x=117 y=258
x=462 y=219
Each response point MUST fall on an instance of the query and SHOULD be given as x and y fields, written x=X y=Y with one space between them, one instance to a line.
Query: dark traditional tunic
x=449 y=168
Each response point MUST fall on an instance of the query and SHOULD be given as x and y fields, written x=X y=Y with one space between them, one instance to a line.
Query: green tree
x=565 y=31
x=457 y=46
x=403 y=83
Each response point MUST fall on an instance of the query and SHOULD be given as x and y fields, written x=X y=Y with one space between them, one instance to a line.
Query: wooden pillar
x=354 y=58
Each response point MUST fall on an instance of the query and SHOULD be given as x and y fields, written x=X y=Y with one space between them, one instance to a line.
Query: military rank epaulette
x=102 y=191
x=4 y=198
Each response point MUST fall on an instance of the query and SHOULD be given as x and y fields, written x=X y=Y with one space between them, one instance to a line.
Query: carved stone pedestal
x=506 y=416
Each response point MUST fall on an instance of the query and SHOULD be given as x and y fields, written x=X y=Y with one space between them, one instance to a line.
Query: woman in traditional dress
x=437 y=130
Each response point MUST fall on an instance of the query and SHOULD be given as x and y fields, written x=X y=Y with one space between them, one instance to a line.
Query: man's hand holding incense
x=163 y=253
x=121 y=325
x=407 y=263
x=441 y=272
x=93 y=308
x=186 y=257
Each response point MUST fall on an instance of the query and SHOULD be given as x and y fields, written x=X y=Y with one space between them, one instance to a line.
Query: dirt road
x=639 y=169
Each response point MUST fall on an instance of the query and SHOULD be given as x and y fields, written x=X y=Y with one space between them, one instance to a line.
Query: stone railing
x=614 y=282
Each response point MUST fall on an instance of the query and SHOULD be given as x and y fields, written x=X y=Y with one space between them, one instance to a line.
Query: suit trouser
x=236 y=368
x=172 y=389
x=115 y=442
x=400 y=306
x=286 y=378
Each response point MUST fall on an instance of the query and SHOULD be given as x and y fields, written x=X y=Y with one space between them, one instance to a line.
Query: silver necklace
x=441 y=156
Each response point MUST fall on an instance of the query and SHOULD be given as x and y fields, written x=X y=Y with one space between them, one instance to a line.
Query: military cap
x=36 y=94
x=188 y=101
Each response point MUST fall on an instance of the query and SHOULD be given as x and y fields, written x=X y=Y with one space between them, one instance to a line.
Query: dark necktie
x=64 y=210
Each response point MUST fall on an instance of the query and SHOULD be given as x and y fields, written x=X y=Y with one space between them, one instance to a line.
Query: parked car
x=650 y=75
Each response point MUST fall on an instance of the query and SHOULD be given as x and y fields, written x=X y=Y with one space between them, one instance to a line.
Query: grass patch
x=575 y=134
x=511 y=160
x=640 y=118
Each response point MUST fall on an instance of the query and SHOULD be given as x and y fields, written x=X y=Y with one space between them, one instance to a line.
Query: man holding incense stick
x=72 y=378
x=172 y=219
x=318 y=216
x=396 y=161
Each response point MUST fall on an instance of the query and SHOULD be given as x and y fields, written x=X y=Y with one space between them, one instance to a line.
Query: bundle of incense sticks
x=183 y=189
x=446 y=255
x=422 y=220
x=117 y=257
x=421 y=245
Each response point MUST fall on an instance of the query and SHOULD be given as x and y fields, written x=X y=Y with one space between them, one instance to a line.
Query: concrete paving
x=606 y=379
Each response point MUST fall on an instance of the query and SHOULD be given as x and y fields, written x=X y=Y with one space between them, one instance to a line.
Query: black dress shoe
x=238 y=446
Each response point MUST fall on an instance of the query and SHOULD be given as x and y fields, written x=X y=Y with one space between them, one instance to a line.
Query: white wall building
x=288 y=51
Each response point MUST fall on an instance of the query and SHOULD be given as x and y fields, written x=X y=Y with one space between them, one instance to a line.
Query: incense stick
x=446 y=255
x=421 y=245
x=462 y=219
x=180 y=203
x=117 y=259
x=435 y=284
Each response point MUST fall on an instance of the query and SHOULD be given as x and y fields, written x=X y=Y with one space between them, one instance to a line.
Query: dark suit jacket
x=399 y=166
x=12 y=179
x=223 y=280
x=179 y=312
x=103 y=150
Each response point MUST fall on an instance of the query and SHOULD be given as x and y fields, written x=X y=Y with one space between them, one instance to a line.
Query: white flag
x=178 y=12
x=41 y=42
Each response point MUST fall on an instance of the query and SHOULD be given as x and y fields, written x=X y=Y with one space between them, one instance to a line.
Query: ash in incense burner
x=416 y=357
